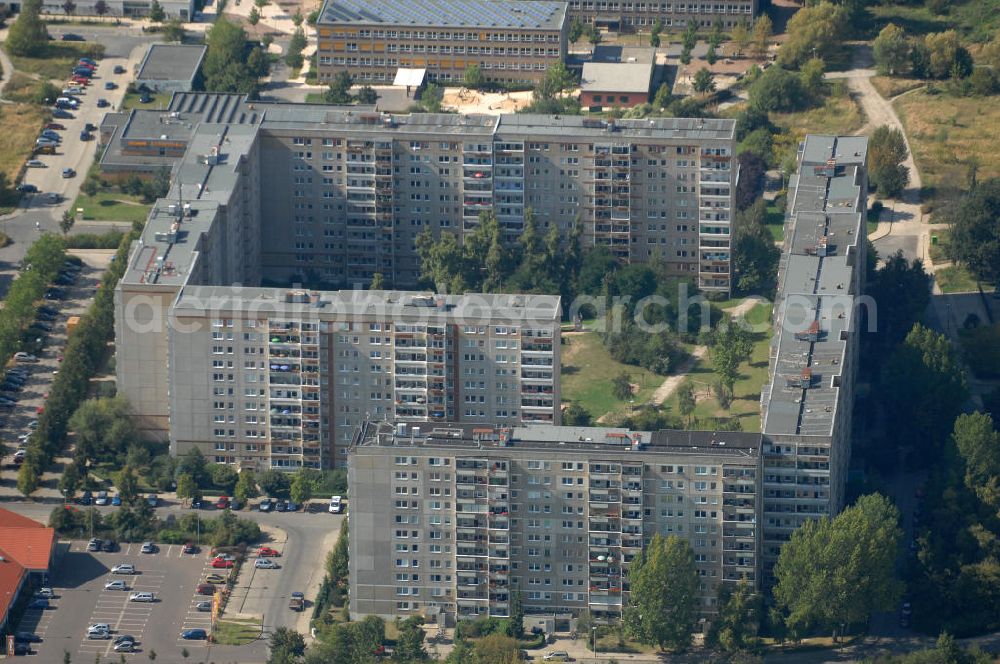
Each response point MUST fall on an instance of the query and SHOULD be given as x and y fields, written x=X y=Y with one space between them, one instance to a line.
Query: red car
x=222 y=503
x=205 y=589
x=81 y=80
x=268 y=552
x=55 y=126
x=222 y=563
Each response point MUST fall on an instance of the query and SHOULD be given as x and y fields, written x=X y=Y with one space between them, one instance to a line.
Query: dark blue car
x=40 y=603
x=194 y=634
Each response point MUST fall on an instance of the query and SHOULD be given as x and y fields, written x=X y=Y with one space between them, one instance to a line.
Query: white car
x=265 y=563
x=21 y=356
x=116 y=585
x=123 y=568
x=336 y=505
x=142 y=597
x=35 y=163
x=46 y=593
x=99 y=627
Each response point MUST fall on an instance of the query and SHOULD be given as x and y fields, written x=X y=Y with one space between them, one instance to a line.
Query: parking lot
x=81 y=600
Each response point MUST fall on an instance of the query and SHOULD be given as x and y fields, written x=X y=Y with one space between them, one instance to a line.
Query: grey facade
x=629 y=16
x=182 y=10
x=447 y=522
x=347 y=192
x=806 y=407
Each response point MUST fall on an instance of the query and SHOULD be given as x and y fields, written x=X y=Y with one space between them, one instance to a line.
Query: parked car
x=336 y=504
x=116 y=500
x=266 y=505
x=122 y=638
x=235 y=505
x=72 y=36
x=90 y=61
x=21 y=356
x=110 y=85
x=85 y=136
x=22 y=649
x=297 y=602
x=123 y=568
x=268 y=552
x=68 y=173
x=215 y=578
x=557 y=656
x=205 y=589
x=142 y=597
x=72 y=90
x=148 y=547
x=35 y=163
x=280 y=506
x=55 y=126
x=125 y=646
x=94 y=545
x=50 y=133
x=46 y=592
x=203 y=606
x=194 y=634
x=116 y=585
x=40 y=604
x=119 y=69
x=189 y=548
x=90 y=127
x=265 y=563
x=27 y=189
x=84 y=498
x=221 y=563
x=101 y=499
x=153 y=500
x=109 y=546
x=102 y=103
x=222 y=503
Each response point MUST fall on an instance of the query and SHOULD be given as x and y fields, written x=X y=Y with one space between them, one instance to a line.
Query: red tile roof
x=26 y=541
x=10 y=580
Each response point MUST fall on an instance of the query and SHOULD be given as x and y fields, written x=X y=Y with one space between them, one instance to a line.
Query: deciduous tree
x=704 y=81
x=886 y=153
x=28 y=35
x=663 y=603
x=892 y=50
x=815 y=30
x=156 y=13
x=762 y=29
x=975 y=235
x=246 y=486
x=740 y=610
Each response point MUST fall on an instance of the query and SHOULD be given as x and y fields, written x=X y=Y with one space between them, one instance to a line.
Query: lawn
x=839 y=115
x=753 y=377
x=19 y=126
x=112 y=206
x=939 y=250
x=58 y=61
x=237 y=632
x=890 y=86
x=775 y=221
x=977 y=20
x=957 y=279
x=983 y=344
x=22 y=88
x=872 y=219
x=587 y=371
x=947 y=134
x=156 y=100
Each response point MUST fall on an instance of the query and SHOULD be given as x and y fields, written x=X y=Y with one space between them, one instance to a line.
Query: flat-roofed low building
x=170 y=67
x=448 y=521
x=615 y=84
x=182 y=10
x=512 y=41
x=627 y=16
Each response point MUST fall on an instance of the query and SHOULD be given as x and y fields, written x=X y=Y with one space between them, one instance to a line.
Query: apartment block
x=182 y=10
x=513 y=41
x=632 y=16
x=807 y=405
x=448 y=521
x=347 y=192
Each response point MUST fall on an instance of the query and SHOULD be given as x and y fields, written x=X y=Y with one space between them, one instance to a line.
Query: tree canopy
x=227 y=66
x=663 y=602
x=814 y=30
x=975 y=234
x=28 y=36
x=886 y=153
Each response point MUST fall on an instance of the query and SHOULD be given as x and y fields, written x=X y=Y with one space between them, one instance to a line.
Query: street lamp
x=593 y=632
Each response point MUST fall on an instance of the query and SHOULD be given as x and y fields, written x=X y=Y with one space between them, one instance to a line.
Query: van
x=141 y=597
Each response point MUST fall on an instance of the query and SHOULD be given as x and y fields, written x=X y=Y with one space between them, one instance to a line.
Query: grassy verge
x=157 y=100
x=236 y=632
x=873 y=217
x=587 y=372
x=775 y=221
x=839 y=115
x=890 y=86
x=58 y=60
x=957 y=279
x=23 y=88
x=112 y=206
x=19 y=126
x=753 y=377
x=939 y=251
x=948 y=135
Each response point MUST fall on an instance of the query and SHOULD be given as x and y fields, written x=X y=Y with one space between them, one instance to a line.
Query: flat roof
x=815 y=305
x=623 y=129
x=466 y=438
x=616 y=77
x=196 y=300
x=171 y=62
x=511 y=14
x=616 y=53
x=411 y=77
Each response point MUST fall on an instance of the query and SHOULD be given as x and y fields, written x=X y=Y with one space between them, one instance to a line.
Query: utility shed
x=623 y=84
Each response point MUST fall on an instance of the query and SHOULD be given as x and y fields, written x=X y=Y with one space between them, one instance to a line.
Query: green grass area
x=983 y=344
x=947 y=135
x=775 y=221
x=587 y=371
x=977 y=21
x=22 y=88
x=753 y=377
x=873 y=217
x=839 y=115
x=112 y=206
x=315 y=98
x=19 y=126
x=236 y=632
x=890 y=86
x=915 y=19
x=939 y=250
x=58 y=60
x=956 y=279
x=156 y=100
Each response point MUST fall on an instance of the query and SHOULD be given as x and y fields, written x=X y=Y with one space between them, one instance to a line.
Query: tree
x=886 y=154
x=104 y=428
x=777 y=89
x=69 y=7
x=975 y=237
x=69 y=482
x=296 y=45
x=815 y=30
x=557 y=78
x=337 y=559
x=187 y=488
x=297 y=18
x=621 y=386
x=410 y=643
x=288 y=641
x=576 y=415
x=731 y=345
x=28 y=478
x=752 y=171
x=978 y=442
x=663 y=603
x=156 y=13
x=367 y=95
x=224 y=477
x=946 y=55
x=378 y=282
x=274 y=483
x=431 y=98
x=301 y=489
x=127 y=484
x=811 y=75
x=663 y=97
x=516 y=621
x=741 y=38
x=225 y=67
x=838 y=572
x=173 y=31
x=101 y=8
x=576 y=30
x=193 y=463
x=704 y=81
x=339 y=91
x=892 y=50
x=497 y=649
x=253 y=18
x=246 y=486
x=735 y=627
x=66 y=222
x=762 y=29
x=710 y=55
x=28 y=36
x=686 y=402
x=685 y=56
x=594 y=35
x=473 y=77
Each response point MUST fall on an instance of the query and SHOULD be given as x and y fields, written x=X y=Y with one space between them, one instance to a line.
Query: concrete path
x=671 y=384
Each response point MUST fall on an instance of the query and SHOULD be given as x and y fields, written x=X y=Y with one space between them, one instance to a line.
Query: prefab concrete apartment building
x=448 y=521
x=638 y=16
x=513 y=41
x=182 y=10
